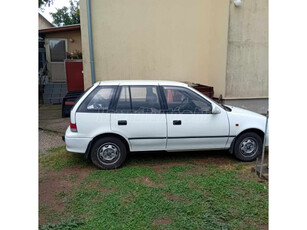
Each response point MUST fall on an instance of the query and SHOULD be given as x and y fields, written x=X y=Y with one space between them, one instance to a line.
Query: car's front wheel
x=248 y=146
x=108 y=153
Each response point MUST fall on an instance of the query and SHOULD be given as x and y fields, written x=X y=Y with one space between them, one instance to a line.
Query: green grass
x=211 y=198
x=64 y=224
x=59 y=158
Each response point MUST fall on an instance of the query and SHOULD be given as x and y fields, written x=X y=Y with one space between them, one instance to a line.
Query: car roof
x=142 y=82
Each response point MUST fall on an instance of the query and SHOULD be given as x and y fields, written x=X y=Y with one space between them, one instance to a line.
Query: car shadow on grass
x=192 y=157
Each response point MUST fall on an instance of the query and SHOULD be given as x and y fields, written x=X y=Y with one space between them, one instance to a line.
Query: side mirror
x=215 y=109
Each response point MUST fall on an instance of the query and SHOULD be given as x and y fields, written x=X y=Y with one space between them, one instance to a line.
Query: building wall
x=247 y=58
x=57 y=70
x=43 y=23
x=75 y=35
x=179 y=40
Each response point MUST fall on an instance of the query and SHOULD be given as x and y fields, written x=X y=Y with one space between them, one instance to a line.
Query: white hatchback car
x=115 y=117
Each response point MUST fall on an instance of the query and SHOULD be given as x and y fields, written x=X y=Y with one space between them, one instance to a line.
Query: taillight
x=73 y=127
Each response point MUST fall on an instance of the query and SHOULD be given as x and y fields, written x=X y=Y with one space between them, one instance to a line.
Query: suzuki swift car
x=114 y=118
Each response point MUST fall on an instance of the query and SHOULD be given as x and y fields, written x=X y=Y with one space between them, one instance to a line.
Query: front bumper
x=267 y=139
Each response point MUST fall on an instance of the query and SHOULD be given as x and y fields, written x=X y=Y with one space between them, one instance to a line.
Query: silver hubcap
x=249 y=146
x=108 y=153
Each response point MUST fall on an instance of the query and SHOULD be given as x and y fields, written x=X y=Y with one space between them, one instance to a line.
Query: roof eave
x=59 y=29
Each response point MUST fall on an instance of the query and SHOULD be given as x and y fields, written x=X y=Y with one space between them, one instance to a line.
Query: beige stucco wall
x=183 y=40
x=43 y=23
x=247 y=61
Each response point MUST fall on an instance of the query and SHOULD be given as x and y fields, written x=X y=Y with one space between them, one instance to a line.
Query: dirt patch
x=158 y=168
x=216 y=160
x=164 y=167
x=263 y=227
x=192 y=184
x=227 y=167
x=102 y=189
x=162 y=221
x=246 y=173
x=195 y=171
x=172 y=197
x=147 y=182
x=54 y=186
x=128 y=198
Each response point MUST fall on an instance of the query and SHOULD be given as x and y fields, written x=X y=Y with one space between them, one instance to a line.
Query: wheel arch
x=123 y=139
x=255 y=130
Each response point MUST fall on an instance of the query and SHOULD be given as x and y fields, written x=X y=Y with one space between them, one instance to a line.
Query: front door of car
x=138 y=116
x=190 y=122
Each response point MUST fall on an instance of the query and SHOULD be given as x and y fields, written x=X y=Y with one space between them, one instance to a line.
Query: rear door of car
x=138 y=115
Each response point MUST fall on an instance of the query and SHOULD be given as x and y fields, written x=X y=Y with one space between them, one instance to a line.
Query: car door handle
x=122 y=122
x=177 y=122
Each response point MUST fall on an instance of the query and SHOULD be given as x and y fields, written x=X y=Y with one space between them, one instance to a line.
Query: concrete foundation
x=258 y=105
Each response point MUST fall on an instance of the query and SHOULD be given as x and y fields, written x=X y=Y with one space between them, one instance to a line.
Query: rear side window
x=145 y=99
x=138 y=99
x=99 y=100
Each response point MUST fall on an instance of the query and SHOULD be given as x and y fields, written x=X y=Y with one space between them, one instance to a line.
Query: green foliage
x=67 y=16
x=59 y=158
x=64 y=224
x=42 y=3
x=74 y=55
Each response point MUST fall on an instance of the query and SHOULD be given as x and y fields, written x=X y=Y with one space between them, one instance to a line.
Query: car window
x=98 y=100
x=123 y=103
x=138 y=99
x=181 y=100
x=145 y=99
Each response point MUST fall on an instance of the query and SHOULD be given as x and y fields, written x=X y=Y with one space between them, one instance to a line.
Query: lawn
x=196 y=190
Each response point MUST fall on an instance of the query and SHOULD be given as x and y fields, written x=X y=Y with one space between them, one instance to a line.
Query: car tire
x=108 y=153
x=248 y=146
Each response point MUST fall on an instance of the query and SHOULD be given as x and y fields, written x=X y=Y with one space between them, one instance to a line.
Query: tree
x=67 y=16
x=42 y=3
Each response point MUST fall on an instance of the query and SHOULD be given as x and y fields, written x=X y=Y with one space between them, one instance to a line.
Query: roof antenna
x=221 y=99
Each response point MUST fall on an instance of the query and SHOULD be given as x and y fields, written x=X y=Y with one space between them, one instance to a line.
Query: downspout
x=90 y=39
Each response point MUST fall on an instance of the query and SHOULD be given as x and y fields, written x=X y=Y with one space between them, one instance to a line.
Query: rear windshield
x=98 y=100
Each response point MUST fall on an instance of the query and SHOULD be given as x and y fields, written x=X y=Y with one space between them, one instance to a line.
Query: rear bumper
x=77 y=145
x=74 y=143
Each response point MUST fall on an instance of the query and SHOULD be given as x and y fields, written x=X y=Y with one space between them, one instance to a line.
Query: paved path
x=50 y=118
x=51 y=127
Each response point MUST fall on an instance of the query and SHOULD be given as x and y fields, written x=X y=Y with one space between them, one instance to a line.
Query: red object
x=169 y=96
x=74 y=75
x=69 y=102
x=204 y=89
x=237 y=124
x=73 y=127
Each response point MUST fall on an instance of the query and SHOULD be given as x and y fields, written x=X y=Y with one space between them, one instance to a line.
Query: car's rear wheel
x=248 y=146
x=108 y=153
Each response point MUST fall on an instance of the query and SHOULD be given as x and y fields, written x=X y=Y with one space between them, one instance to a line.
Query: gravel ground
x=49 y=140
